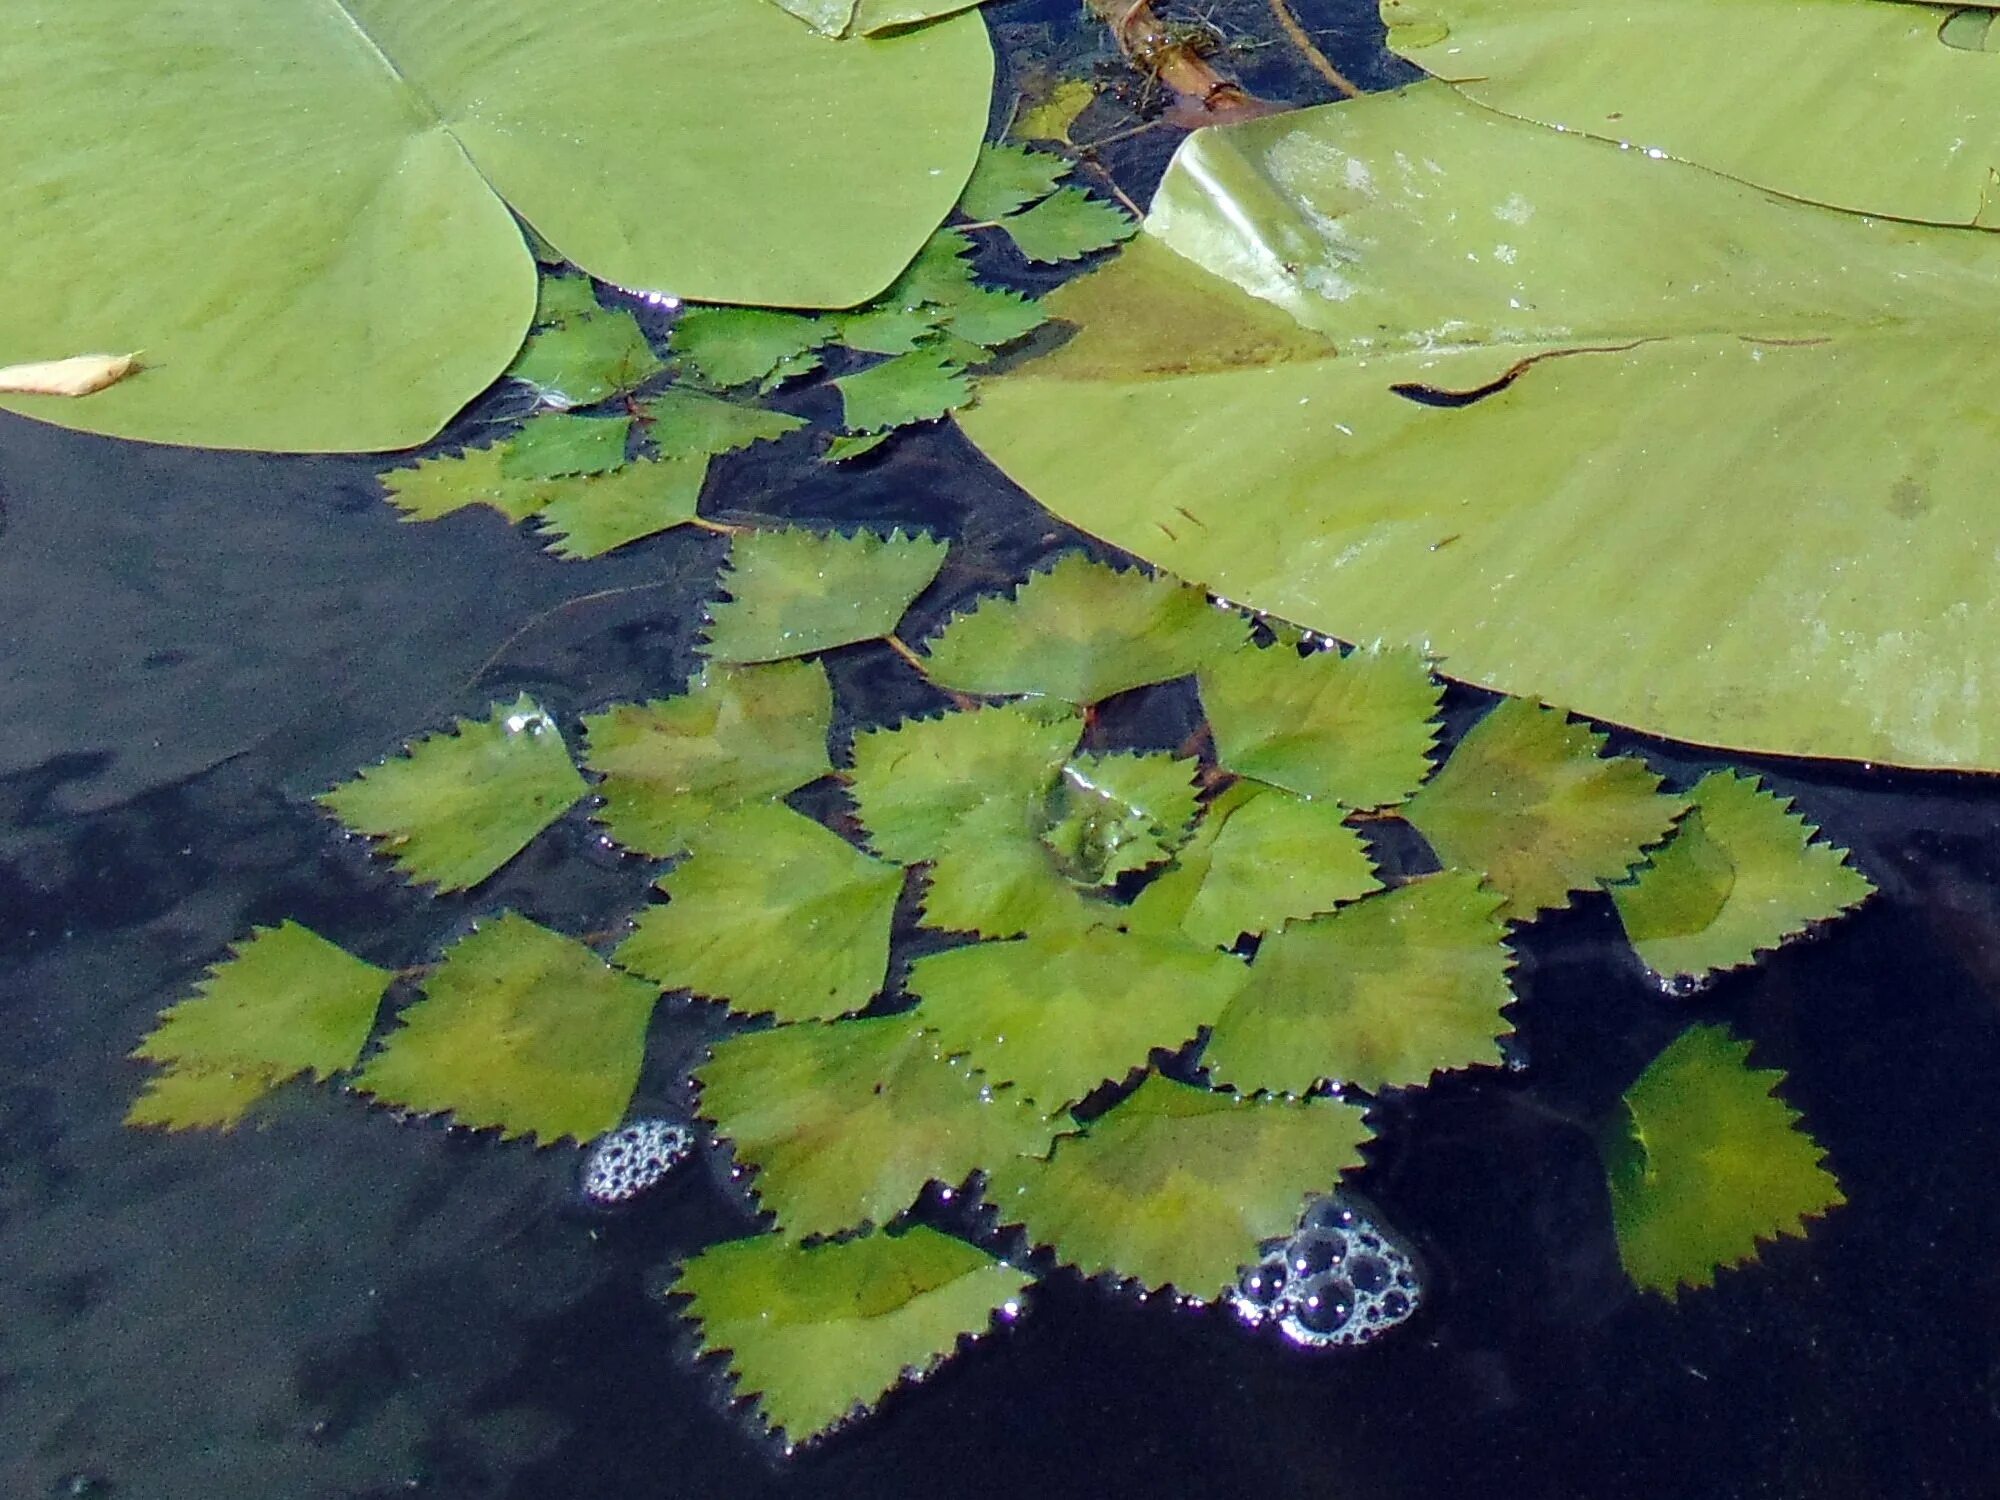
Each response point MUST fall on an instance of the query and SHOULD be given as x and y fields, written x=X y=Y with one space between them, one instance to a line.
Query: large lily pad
x=1584 y=533
x=1177 y=1186
x=302 y=219
x=1918 y=136
x=817 y=1334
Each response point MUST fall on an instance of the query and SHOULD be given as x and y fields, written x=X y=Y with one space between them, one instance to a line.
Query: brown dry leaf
x=79 y=375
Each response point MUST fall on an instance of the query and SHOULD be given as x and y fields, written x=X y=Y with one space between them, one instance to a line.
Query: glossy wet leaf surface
x=771 y=914
x=737 y=736
x=1058 y=1015
x=557 y=444
x=1741 y=874
x=1388 y=990
x=1705 y=1161
x=1080 y=631
x=1113 y=814
x=1527 y=800
x=458 y=805
x=815 y=1334
x=522 y=1030
x=845 y=1123
x=793 y=592
x=733 y=346
x=402 y=133
x=1576 y=534
x=1156 y=1189
x=584 y=354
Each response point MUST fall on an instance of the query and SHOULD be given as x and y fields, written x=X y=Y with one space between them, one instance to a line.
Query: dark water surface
x=333 y=1303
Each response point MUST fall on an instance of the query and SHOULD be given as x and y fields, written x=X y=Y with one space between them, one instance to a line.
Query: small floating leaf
x=989 y=316
x=737 y=736
x=460 y=804
x=1057 y=1015
x=1528 y=802
x=558 y=443
x=773 y=913
x=913 y=387
x=522 y=1029
x=1357 y=728
x=584 y=357
x=1066 y=225
x=1051 y=119
x=200 y=1098
x=793 y=592
x=435 y=487
x=1259 y=858
x=1008 y=177
x=689 y=423
x=1385 y=991
x=1740 y=875
x=1704 y=1161
x=1080 y=631
x=1112 y=814
x=886 y=329
x=817 y=1334
x=590 y=515
x=847 y=1122
x=1177 y=1185
x=728 y=346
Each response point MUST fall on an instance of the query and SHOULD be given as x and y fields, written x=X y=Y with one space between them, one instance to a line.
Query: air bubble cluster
x=1344 y=1277
x=632 y=1158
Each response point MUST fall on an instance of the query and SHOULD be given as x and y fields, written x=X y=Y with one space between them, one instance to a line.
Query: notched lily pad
x=1741 y=874
x=818 y=1335
x=794 y=592
x=771 y=914
x=460 y=804
x=520 y=1029
x=1177 y=1185
x=1527 y=801
x=1705 y=1161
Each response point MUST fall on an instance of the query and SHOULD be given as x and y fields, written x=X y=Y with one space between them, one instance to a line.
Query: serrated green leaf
x=689 y=423
x=846 y=1122
x=939 y=273
x=561 y=299
x=1527 y=801
x=1259 y=858
x=906 y=388
x=819 y=1334
x=1740 y=875
x=435 y=487
x=1008 y=177
x=728 y=346
x=989 y=317
x=520 y=1029
x=1704 y=1161
x=794 y=592
x=200 y=1098
x=1067 y=225
x=459 y=804
x=1111 y=814
x=585 y=358
x=998 y=881
x=772 y=914
x=738 y=736
x=1386 y=991
x=846 y=445
x=1177 y=1185
x=1356 y=728
x=885 y=329
x=1057 y=1015
x=588 y=515
x=1081 y=631
x=554 y=444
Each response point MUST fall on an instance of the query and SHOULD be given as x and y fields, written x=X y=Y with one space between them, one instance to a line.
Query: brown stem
x=1202 y=96
x=1311 y=53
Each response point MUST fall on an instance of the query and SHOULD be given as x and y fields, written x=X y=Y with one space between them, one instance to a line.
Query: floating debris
x=632 y=1158
x=1342 y=1278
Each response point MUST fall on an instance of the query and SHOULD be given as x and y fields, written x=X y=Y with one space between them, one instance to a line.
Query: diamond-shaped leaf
x=819 y=1334
x=590 y=515
x=1057 y=1015
x=201 y=1098
x=988 y=316
x=1356 y=729
x=728 y=346
x=886 y=328
x=1081 y=632
x=1704 y=1161
x=904 y=388
x=1066 y=225
x=558 y=443
x=1527 y=801
x=522 y=1029
x=1177 y=1185
x=846 y=1122
x=460 y=804
x=739 y=735
x=1385 y=991
x=772 y=913
x=1259 y=858
x=1115 y=813
x=1741 y=874
x=435 y=487
x=688 y=423
x=1008 y=177
x=793 y=592
x=583 y=357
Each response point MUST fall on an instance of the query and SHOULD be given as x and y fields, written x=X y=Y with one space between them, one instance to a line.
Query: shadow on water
x=339 y=1304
